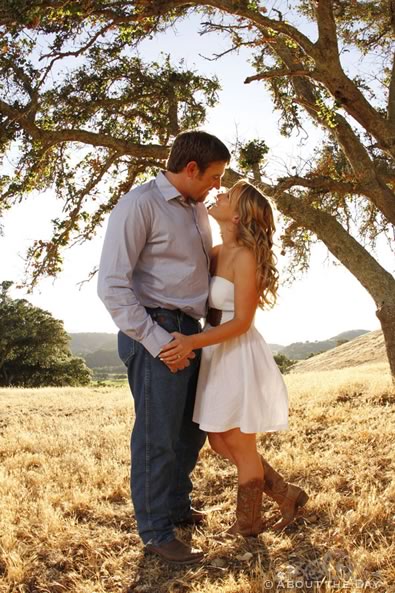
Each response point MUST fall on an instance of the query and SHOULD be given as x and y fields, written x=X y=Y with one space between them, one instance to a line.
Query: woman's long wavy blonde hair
x=255 y=230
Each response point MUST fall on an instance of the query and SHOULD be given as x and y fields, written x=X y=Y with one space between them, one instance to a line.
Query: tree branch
x=50 y=138
x=76 y=53
x=97 y=139
x=22 y=77
x=50 y=250
x=156 y=8
x=327 y=35
x=82 y=193
x=25 y=82
x=262 y=21
x=225 y=52
x=278 y=73
x=391 y=97
x=322 y=184
x=12 y=113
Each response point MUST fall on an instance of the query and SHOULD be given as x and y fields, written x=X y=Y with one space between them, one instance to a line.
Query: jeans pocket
x=126 y=348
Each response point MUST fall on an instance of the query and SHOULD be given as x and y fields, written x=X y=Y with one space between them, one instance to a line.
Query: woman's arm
x=246 y=300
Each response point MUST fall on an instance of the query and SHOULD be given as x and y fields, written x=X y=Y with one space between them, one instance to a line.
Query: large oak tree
x=106 y=118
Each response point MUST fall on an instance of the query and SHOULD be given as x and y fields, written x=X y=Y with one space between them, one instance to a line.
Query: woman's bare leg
x=242 y=448
x=218 y=445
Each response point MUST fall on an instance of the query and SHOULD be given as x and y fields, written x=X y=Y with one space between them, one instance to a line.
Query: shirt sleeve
x=125 y=238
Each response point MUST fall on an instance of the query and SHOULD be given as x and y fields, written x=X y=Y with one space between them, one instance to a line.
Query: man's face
x=201 y=183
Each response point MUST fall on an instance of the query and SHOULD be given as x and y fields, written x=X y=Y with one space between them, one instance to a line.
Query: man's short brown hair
x=198 y=146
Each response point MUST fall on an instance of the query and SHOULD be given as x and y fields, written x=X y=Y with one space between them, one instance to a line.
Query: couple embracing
x=159 y=275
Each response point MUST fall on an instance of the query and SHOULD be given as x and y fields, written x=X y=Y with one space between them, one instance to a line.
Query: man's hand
x=181 y=363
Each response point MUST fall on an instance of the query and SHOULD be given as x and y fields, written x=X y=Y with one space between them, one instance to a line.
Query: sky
x=324 y=302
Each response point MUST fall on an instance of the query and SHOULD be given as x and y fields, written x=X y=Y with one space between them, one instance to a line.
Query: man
x=154 y=279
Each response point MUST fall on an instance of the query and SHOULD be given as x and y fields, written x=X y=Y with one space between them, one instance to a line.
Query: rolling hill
x=100 y=352
x=302 y=350
x=368 y=348
x=84 y=343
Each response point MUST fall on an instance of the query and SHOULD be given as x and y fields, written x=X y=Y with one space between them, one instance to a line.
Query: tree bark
x=386 y=316
x=391 y=96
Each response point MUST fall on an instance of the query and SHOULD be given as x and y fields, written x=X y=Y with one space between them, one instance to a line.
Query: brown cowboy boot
x=248 y=509
x=288 y=496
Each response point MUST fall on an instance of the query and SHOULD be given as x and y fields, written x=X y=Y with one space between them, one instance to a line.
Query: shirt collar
x=167 y=189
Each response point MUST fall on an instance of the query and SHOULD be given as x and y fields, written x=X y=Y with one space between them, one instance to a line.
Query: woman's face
x=222 y=210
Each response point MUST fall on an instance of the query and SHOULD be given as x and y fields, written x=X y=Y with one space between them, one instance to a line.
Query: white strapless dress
x=240 y=385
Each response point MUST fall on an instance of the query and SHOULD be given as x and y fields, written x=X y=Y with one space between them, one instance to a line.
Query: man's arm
x=126 y=236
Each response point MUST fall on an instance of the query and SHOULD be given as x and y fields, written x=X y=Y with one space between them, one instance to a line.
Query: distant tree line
x=284 y=363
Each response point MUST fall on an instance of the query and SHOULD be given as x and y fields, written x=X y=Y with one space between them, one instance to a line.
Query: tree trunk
x=386 y=315
x=6 y=380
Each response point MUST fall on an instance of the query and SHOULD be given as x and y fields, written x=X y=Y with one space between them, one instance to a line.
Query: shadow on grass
x=222 y=561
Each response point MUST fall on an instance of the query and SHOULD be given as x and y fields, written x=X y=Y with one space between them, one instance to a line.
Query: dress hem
x=210 y=428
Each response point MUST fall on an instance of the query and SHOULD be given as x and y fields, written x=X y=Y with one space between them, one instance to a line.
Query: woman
x=240 y=390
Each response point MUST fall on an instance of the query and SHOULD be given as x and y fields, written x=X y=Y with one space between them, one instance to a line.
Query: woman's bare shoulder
x=244 y=256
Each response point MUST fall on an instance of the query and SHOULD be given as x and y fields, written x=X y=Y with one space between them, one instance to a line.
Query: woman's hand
x=177 y=349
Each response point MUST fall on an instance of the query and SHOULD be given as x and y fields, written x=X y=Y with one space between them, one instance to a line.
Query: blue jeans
x=165 y=443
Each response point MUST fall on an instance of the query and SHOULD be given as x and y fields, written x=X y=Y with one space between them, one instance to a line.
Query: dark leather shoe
x=194 y=517
x=175 y=552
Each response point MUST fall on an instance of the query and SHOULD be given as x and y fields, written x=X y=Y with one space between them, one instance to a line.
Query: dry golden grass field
x=66 y=521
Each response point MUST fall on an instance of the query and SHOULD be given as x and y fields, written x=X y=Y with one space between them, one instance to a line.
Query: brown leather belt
x=214 y=316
